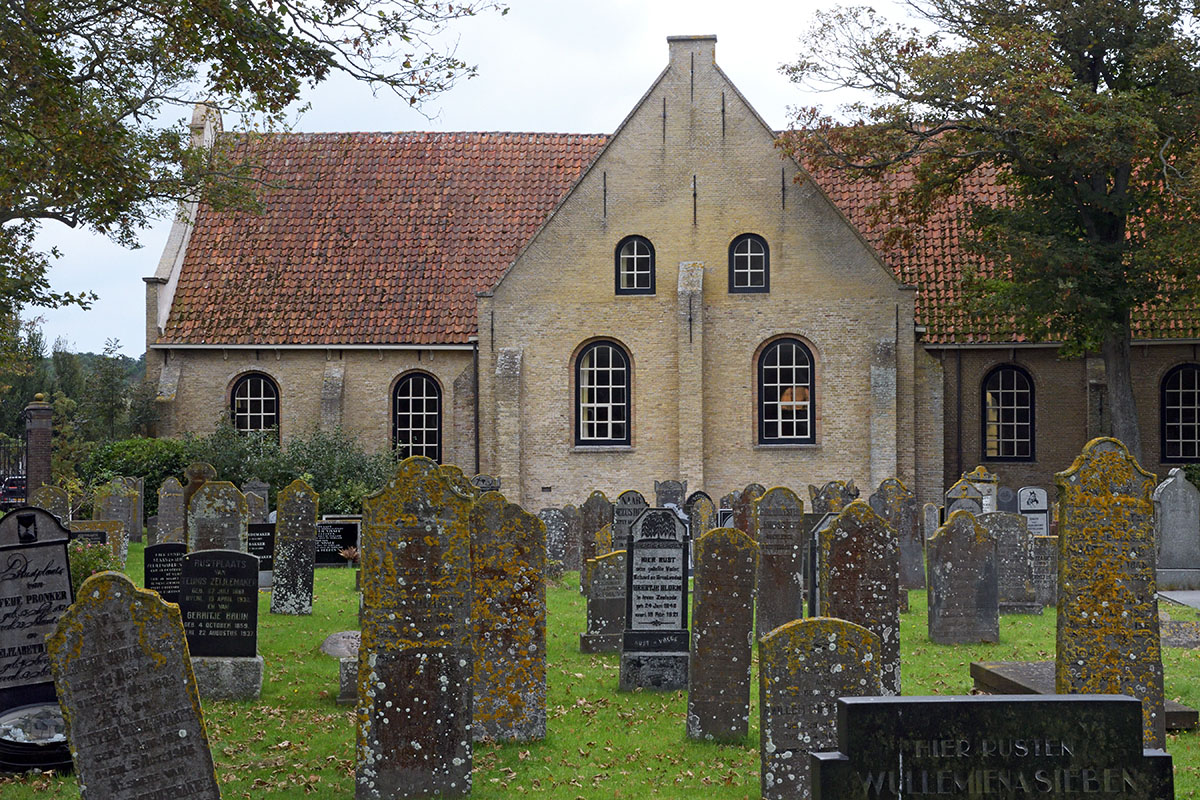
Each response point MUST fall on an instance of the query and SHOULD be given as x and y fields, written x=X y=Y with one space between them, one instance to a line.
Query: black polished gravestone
x=260 y=542
x=332 y=538
x=164 y=565
x=90 y=535
x=959 y=747
x=654 y=646
x=218 y=596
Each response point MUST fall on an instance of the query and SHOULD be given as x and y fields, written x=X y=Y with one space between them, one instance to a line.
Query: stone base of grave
x=1178 y=580
x=347 y=681
x=904 y=601
x=1020 y=608
x=662 y=672
x=266 y=579
x=228 y=677
x=599 y=642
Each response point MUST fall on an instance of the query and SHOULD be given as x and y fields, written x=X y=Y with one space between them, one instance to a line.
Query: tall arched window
x=635 y=266
x=1180 y=414
x=1007 y=413
x=254 y=403
x=786 y=394
x=749 y=264
x=602 y=395
x=417 y=416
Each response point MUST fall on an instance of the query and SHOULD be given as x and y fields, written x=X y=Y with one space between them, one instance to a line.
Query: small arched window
x=602 y=399
x=417 y=416
x=1180 y=414
x=634 y=266
x=254 y=403
x=749 y=264
x=786 y=394
x=1007 y=413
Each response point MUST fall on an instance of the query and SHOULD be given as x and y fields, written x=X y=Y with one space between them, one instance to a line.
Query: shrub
x=152 y=459
x=87 y=559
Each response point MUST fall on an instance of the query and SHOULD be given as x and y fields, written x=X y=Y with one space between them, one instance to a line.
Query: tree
x=82 y=83
x=1088 y=112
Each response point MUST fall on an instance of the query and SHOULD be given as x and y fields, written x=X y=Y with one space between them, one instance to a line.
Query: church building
x=576 y=312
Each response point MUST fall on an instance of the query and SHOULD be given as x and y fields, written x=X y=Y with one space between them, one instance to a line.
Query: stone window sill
x=768 y=447
x=603 y=448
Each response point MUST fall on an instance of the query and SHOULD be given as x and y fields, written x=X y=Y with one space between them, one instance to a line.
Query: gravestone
x=256 y=493
x=722 y=636
x=334 y=536
x=743 y=509
x=195 y=476
x=508 y=563
x=170 y=523
x=54 y=499
x=295 y=549
x=260 y=543
x=218 y=598
x=1106 y=593
x=832 y=497
x=654 y=646
x=859 y=581
x=1177 y=533
x=574 y=553
x=1045 y=569
x=804 y=667
x=964 y=496
x=779 y=520
x=931 y=519
x=217 y=517
x=988 y=484
x=815 y=523
x=1005 y=747
x=701 y=513
x=1006 y=500
x=115 y=501
x=138 y=487
x=594 y=514
x=898 y=508
x=964 y=602
x=164 y=568
x=415 y=663
x=605 y=604
x=93 y=535
x=459 y=480
x=103 y=530
x=485 y=483
x=673 y=492
x=626 y=510
x=1015 y=589
x=556 y=540
x=1034 y=507
x=128 y=696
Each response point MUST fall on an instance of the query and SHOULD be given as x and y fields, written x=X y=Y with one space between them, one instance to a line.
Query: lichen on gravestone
x=295 y=549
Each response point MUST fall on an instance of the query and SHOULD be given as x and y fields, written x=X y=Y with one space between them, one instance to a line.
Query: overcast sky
x=547 y=66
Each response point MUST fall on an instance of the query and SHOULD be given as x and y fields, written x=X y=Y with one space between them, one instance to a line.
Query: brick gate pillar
x=38 y=430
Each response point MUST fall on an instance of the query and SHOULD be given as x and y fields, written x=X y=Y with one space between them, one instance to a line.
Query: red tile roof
x=385 y=238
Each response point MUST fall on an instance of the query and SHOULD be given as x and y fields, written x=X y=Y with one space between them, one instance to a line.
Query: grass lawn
x=296 y=742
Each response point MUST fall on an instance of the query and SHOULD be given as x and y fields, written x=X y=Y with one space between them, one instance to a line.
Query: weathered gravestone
x=1006 y=747
x=964 y=601
x=138 y=487
x=459 y=480
x=988 y=484
x=218 y=598
x=256 y=493
x=217 y=518
x=1106 y=595
x=260 y=543
x=53 y=499
x=164 y=569
x=931 y=519
x=605 y=604
x=701 y=513
x=335 y=536
x=1006 y=500
x=128 y=696
x=574 y=552
x=859 y=581
x=1045 y=569
x=508 y=617
x=626 y=510
x=295 y=549
x=832 y=497
x=1033 y=506
x=1016 y=592
x=556 y=541
x=778 y=516
x=604 y=540
x=114 y=501
x=898 y=508
x=1177 y=532
x=673 y=492
x=485 y=483
x=595 y=513
x=743 y=509
x=170 y=513
x=416 y=662
x=195 y=476
x=722 y=636
x=654 y=646
x=964 y=496
x=98 y=536
x=804 y=667
x=110 y=531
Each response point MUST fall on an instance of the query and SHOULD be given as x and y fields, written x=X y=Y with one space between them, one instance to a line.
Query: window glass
x=1008 y=415
x=254 y=403
x=602 y=395
x=785 y=394
x=417 y=404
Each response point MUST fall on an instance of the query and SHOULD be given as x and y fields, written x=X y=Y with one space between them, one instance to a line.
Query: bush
x=152 y=459
x=87 y=559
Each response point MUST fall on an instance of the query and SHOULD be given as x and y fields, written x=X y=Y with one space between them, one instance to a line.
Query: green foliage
x=337 y=468
x=23 y=371
x=152 y=459
x=87 y=559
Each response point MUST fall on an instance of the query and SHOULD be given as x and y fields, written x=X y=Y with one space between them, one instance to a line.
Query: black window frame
x=984 y=423
x=430 y=380
x=1163 y=421
x=766 y=254
x=763 y=394
x=635 y=239
x=627 y=389
x=235 y=388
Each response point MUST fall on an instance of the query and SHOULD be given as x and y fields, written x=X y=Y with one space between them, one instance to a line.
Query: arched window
x=602 y=395
x=1180 y=414
x=417 y=416
x=635 y=266
x=786 y=394
x=1007 y=401
x=254 y=403
x=749 y=264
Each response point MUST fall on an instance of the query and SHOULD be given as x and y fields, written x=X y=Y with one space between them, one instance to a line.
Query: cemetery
x=478 y=649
